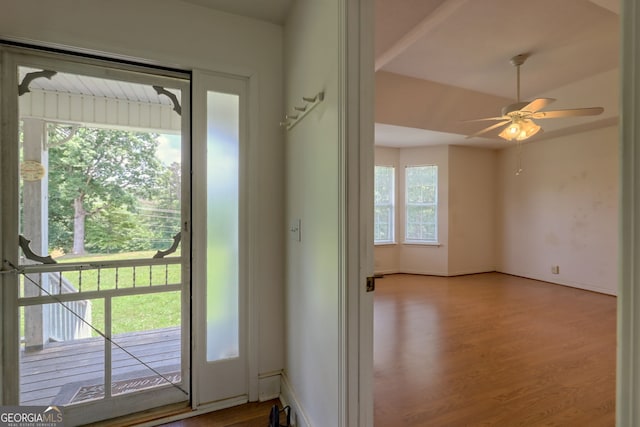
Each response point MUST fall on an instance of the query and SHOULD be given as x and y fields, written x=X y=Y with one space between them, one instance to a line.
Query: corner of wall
x=289 y=398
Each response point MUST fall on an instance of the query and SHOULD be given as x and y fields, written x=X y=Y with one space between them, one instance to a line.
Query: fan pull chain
x=519 y=157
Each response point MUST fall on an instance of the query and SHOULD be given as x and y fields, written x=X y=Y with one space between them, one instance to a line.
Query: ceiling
x=441 y=62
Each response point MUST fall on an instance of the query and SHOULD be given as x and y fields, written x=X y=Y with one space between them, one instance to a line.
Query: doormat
x=87 y=391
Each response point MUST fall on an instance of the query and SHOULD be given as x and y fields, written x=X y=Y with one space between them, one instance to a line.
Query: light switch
x=294 y=230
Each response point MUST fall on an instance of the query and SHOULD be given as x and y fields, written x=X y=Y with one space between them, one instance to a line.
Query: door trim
x=357 y=103
x=628 y=366
x=202 y=81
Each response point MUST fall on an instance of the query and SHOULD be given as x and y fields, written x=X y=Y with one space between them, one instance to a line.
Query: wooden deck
x=57 y=373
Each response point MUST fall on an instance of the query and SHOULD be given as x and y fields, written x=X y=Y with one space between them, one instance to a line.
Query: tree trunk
x=78 y=226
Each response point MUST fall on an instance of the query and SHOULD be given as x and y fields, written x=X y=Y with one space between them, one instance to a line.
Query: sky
x=169 y=149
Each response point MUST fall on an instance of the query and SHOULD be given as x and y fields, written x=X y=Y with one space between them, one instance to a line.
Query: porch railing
x=63 y=324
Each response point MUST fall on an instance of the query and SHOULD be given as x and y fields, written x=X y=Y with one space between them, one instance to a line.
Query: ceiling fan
x=518 y=118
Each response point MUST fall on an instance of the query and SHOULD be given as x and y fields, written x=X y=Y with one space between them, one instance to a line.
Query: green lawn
x=130 y=313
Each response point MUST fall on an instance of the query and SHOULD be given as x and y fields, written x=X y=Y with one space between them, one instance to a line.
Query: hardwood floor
x=492 y=349
x=481 y=350
x=253 y=414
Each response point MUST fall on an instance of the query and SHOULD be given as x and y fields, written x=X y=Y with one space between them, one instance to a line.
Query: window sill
x=385 y=244
x=435 y=244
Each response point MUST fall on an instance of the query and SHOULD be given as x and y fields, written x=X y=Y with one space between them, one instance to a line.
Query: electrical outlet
x=555 y=269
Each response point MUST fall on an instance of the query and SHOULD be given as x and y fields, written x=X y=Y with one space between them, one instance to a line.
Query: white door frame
x=357 y=101
x=202 y=82
x=628 y=378
x=12 y=57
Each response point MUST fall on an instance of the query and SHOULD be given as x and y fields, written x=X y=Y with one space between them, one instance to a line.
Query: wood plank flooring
x=482 y=350
x=45 y=374
x=492 y=350
x=253 y=414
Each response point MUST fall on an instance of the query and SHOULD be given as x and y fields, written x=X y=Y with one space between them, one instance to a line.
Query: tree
x=99 y=172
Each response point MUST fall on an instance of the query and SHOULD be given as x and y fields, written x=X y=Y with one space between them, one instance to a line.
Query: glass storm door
x=220 y=354
x=94 y=236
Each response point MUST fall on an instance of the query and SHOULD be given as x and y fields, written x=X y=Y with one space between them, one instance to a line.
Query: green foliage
x=116 y=230
x=422 y=184
x=105 y=175
x=383 y=199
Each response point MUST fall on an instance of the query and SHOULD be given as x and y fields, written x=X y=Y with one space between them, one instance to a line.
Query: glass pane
x=422 y=184
x=107 y=189
x=223 y=162
x=421 y=208
x=384 y=200
x=148 y=328
x=383 y=184
x=61 y=357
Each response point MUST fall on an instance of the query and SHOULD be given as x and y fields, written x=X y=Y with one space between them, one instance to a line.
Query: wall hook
x=310 y=103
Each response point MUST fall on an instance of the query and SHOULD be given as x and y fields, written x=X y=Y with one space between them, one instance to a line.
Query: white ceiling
x=455 y=45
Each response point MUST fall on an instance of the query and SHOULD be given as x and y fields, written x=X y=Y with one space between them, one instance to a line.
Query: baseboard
x=423 y=273
x=269 y=385
x=383 y=272
x=469 y=271
x=563 y=282
x=288 y=398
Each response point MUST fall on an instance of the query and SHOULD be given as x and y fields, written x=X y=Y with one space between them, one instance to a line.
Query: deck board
x=44 y=373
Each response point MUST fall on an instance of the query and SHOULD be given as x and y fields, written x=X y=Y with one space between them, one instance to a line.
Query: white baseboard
x=564 y=282
x=288 y=398
x=269 y=386
x=394 y=271
x=423 y=272
x=468 y=271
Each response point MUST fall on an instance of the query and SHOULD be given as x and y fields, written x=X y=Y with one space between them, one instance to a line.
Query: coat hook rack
x=309 y=103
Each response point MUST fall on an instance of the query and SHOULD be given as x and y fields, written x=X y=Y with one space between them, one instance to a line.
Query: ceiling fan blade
x=485 y=130
x=537 y=104
x=574 y=112
x=488 y=118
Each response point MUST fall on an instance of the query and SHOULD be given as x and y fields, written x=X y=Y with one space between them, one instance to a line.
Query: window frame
x=407 y=205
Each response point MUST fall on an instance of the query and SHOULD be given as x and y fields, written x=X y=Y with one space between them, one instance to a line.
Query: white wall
x=313 y=169
x=181 y=35
x=467 y=197
x=472 y=210
x=562 y=210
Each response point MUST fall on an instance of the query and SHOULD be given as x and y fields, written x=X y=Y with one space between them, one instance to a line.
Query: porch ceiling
x=92 y=101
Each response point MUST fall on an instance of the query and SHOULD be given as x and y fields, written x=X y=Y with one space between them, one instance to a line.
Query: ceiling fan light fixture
x=511 y=132
x=517 y=117
x=519 y=130
x=528 y=129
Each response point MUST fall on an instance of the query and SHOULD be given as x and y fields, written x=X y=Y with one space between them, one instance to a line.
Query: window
x=384 y=204
x=421 y=200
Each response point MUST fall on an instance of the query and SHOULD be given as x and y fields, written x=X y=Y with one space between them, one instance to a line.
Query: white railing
x=69 y=321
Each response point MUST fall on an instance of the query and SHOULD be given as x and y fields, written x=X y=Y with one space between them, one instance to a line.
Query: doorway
x=97 y=310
